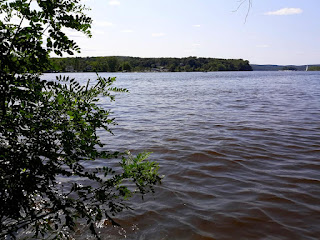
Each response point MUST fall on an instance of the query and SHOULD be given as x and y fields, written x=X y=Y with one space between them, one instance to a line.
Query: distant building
x=69 y=68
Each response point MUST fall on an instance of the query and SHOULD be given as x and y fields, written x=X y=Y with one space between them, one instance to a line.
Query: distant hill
x=135 y=64
x=256 y=67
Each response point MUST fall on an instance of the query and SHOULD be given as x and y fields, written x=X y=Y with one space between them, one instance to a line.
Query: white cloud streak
x=285 y=11
x=196 y=25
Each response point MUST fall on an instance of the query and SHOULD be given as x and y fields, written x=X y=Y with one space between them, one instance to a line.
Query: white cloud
x=285 y=11
x=158 y=34
x=114 y=3
x=103 y=24
x=196 y=25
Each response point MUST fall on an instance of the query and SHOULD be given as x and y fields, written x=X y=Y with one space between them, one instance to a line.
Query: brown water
x=240 y=153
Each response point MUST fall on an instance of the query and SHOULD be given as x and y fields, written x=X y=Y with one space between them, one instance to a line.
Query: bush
x=49 y=129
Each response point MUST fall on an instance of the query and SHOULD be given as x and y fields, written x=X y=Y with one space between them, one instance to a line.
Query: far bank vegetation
x=314 y=68
x=135 y=64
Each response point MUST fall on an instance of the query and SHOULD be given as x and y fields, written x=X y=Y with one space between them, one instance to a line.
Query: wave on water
x=240 y=153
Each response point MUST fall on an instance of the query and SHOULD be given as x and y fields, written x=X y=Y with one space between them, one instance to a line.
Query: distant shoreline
x=189 y=72
x=257 y=67
x=135 y=64
x=188 y=64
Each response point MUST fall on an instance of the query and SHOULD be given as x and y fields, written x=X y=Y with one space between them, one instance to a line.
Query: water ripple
x=240 y=152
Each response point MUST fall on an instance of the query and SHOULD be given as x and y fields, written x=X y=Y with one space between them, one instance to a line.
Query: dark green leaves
x=49 y=131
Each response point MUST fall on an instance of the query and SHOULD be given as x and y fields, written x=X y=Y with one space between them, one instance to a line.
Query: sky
x=274 y=32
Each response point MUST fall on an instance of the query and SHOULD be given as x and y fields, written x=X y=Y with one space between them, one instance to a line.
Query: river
x=240 y=152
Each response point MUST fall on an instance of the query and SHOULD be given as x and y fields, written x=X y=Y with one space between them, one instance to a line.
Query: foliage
x=314 y=68
x=48 y=130
x=289 y=68
x=112 y=64
x=278 y=67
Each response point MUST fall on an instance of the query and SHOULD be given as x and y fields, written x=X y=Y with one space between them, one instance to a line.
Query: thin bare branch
x=241 y=3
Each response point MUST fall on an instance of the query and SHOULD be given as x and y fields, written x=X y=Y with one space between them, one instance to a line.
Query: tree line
x=136 y=64
x=314 y=68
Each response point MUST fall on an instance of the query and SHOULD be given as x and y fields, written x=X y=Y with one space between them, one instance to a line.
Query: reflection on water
x=240 y=152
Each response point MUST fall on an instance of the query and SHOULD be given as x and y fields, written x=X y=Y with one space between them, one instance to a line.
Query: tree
x=48 y=130
x=314 y=68
x=126 y=66
x=289 y=68
x=113 y=64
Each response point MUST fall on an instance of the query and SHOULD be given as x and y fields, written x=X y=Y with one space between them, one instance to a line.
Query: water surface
x=240 y=152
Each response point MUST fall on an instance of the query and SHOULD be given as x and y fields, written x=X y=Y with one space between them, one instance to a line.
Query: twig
x=249 y=7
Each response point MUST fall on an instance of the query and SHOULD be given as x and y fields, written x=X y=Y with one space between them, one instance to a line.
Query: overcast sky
x=276 y=31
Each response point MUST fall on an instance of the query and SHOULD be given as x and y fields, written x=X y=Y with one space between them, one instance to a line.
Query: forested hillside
x=256 y=67
x=314 y=68
x=135 y=64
